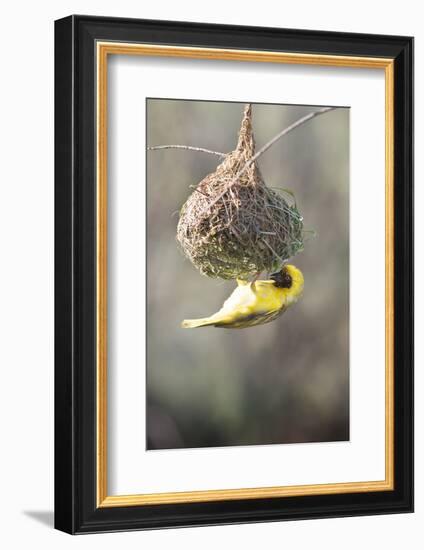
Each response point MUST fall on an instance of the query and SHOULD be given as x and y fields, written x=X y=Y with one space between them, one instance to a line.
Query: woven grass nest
x=236 y=227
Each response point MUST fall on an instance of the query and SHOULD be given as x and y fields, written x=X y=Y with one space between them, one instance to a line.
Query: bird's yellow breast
x=261 y=297
x=251 y=305
x=268 y=296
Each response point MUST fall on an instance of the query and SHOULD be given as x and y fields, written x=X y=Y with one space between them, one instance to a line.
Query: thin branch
x=268 y=145
x=283 y=133
x=187 y=148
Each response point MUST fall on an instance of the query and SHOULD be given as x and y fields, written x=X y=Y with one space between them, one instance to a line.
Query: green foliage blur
x=284 y=382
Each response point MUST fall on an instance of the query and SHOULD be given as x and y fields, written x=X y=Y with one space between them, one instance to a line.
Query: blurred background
x=283 y=382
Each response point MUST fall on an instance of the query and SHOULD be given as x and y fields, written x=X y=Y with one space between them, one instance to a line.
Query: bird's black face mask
x=282 y=279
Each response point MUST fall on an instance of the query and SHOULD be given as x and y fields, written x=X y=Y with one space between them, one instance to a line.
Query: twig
x=187 y=148
x=283 y=133
x=267 y=146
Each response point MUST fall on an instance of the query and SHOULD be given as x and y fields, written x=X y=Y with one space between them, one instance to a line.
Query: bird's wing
x=262 y=317
x=249 y=318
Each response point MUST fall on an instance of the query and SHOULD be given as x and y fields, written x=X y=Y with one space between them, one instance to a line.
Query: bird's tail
x=196 y=323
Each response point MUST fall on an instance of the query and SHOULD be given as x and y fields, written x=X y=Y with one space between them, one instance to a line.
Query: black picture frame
x=76 y=509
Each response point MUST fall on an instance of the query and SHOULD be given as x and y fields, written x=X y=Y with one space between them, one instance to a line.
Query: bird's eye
x=287 y=281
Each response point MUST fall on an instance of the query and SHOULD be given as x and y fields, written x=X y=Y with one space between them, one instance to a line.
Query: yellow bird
x=256 y=303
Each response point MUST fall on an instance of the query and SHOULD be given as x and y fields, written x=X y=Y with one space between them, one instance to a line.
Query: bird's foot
x=253 y=282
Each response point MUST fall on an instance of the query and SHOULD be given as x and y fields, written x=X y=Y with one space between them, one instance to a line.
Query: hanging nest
x=235 y=227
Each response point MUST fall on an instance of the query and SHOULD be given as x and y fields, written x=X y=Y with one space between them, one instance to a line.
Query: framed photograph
x=234 y=274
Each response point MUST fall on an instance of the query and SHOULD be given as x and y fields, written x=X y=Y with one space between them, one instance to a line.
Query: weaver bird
x=257 y=302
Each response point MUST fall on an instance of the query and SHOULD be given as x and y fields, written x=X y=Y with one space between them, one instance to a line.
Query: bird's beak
x=277 y=277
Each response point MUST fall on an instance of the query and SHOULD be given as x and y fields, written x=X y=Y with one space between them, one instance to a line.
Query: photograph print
x=247 y=274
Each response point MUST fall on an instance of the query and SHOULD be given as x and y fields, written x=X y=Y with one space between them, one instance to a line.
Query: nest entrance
x=233 y=225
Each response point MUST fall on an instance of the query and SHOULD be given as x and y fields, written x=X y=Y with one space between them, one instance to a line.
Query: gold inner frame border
x=103 y=50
